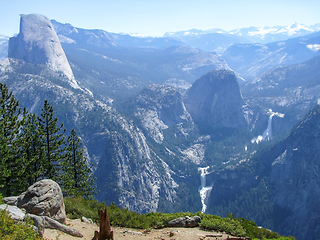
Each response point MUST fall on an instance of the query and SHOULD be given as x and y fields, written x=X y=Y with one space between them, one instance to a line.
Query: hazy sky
x=155 y=17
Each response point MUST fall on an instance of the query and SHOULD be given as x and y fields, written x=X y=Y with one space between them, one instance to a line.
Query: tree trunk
x=105 y=229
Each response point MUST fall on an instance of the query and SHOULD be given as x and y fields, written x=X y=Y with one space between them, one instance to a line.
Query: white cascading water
x=204 y=190
x=267 y=134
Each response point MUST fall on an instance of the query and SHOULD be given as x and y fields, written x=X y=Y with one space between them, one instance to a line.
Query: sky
x=156 y=17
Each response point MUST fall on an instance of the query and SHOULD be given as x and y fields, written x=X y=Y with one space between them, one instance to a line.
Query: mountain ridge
x=251 y=60
x=254 y=33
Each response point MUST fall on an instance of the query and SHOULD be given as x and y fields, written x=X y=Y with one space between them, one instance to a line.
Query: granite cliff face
x=159 y=107
x=214 y=101
x=38 y=43
x=295 y=179
x=279 y=184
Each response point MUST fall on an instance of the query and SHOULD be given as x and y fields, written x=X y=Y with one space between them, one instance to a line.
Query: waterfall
x=267 y=134
x=204 y=190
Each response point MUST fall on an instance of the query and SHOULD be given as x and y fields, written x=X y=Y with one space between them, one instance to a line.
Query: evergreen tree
x=12 y=167
x=31 y=148
x=53 y=141
x=78 y=178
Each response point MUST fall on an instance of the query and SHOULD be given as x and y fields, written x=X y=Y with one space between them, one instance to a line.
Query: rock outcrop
x=44 y=198
x=38 y=43
x=159 y=107
x=214 y=101
x=185 y=222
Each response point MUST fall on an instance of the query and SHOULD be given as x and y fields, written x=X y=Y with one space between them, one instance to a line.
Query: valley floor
x=131 y=234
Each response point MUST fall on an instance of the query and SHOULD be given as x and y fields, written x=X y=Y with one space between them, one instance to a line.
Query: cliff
x=295 y=179
x=38 y=43
x=159 y=107
x=214 y=101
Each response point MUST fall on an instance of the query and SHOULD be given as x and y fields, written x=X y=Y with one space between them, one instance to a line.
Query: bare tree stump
x=105 y=229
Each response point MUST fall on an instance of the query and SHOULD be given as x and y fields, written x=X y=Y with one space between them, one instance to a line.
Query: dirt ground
x=133 y=234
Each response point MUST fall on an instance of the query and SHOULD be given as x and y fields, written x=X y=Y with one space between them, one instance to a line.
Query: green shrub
x=229 y=225
x=12 y=230
x=239 y=227
x=125 y=218
x=79 y=207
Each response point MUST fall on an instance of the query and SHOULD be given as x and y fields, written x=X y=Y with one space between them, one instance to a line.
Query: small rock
x=134 y=232
x=86 y=220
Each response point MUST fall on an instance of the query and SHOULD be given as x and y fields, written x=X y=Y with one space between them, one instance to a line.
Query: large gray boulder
x=44 y=198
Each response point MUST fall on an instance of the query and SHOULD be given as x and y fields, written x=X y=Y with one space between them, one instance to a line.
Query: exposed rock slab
x=159 y=107
x=14 y=212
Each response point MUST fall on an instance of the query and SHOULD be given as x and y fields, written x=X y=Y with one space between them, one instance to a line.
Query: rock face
x=295 y=178
x=159 y=107
x=38 y=43
x=44 y=198
x=214 y=101
x=288 y=181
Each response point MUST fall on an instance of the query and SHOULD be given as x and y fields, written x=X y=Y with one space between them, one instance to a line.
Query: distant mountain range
x=250 y=60
x=204 y=39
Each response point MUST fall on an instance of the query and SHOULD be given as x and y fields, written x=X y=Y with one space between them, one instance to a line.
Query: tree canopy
x=36 y=147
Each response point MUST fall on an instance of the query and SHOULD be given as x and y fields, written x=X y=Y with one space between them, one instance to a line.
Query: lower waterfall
x=204 y=190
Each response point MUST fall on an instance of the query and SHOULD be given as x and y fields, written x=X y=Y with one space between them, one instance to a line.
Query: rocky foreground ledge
x=43 y=203
x=178 y=233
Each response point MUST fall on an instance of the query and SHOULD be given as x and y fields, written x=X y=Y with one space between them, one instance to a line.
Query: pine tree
x=32 y=149
x=53 y=141
x=12 y=167
x=78 y=178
